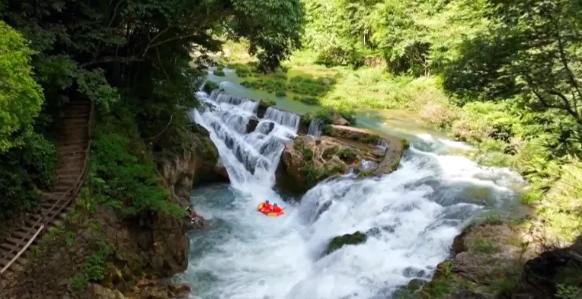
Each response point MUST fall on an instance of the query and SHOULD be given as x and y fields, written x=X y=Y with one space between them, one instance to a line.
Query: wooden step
x=22 y=234
x=62 y=188
x=10 y=247
x=70 y=171
x=52 y=196
x=4 y=260
x=77 y=142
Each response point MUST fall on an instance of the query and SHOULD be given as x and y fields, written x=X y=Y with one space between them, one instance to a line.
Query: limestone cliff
x=195 y=163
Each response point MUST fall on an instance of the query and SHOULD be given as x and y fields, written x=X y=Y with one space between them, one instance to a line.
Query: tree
x=20 y=96
x=535 y=50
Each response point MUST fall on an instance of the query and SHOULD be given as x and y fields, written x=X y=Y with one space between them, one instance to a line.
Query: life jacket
x=267 y=206
x=277 y=209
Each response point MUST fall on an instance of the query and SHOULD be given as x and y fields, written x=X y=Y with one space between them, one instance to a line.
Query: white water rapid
x=411 y=217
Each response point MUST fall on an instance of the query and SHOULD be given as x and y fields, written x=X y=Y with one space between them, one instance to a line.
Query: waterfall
x=249 y=157
x=315 y=127
x=284 y=118
x=410 y=216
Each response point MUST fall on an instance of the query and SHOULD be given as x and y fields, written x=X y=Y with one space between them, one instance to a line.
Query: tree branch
x=110 y=59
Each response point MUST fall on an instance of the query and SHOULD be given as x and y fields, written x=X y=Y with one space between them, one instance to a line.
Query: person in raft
x=267 y=206
x=276 y=209
x=191 y=213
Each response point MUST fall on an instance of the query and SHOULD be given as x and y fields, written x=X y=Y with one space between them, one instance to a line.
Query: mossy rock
x=267 y=103
x=209 y=86
x=347 y=239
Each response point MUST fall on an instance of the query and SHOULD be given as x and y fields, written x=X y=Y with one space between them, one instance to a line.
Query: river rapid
x=411 y=215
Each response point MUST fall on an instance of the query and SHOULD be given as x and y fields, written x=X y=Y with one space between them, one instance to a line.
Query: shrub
x=219 y=73
x=280 y=93
x=209 y=86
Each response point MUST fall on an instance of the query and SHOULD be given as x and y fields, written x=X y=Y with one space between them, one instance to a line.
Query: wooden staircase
x=73 y=146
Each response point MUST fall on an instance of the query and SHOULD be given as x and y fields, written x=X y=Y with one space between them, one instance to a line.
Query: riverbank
x=501 y=135
x=126 y=233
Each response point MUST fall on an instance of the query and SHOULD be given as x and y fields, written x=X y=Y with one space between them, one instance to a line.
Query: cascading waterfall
x=315 y=128
x=411 y=217
x=249 y=157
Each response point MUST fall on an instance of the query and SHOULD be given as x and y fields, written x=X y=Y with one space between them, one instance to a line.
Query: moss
x=209 y=86
x=347 y=154
x=267 y=103
x=347 y=239
x=405 y=144
x=483 y=246
x=324 y=115
x=366 y=173
x=327 y=130
x=370 y=138
x=305 y=119
x=442 y=282
x=329 y=152
x=280 y=93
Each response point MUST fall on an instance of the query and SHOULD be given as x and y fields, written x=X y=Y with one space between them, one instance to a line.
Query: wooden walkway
x=73 y=146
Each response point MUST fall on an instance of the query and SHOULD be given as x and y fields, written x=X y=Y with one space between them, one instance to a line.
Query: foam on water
x=411 y=217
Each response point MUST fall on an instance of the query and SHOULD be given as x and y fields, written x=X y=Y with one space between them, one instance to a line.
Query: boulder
x=96 y=291
x=263 y=106
x=542 y=276
x=252 y=125
x=347 y=239
x=326 y=116
x=338 y=119
x=306 y=161
x=486 y=262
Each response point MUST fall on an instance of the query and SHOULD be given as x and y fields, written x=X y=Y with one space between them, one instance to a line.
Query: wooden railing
x=61 y=204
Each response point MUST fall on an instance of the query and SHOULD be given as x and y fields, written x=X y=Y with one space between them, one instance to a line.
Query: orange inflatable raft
x=269 y=213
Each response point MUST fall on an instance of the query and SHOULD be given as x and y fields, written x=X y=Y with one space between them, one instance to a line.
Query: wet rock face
x=252 y=125
x=542 y=275
x=347 y=239
x=307 y=161
x=194 y=165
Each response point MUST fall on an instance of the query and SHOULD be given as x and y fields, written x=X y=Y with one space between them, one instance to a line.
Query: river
x=411 y=215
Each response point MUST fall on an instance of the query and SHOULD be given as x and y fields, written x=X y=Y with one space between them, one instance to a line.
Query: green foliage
x=124 y=177
x=219 y=73
x=40 y=160
x=567 y=292
x=24 y=169
x=209 y=86
x=267 y=103
x=347 y=154
x=20 y=96
x=273 y=28
x=94 y=268
x=484 y=246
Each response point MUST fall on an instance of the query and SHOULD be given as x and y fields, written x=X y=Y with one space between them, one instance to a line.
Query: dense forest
x=133 y=60
x=503 y=75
